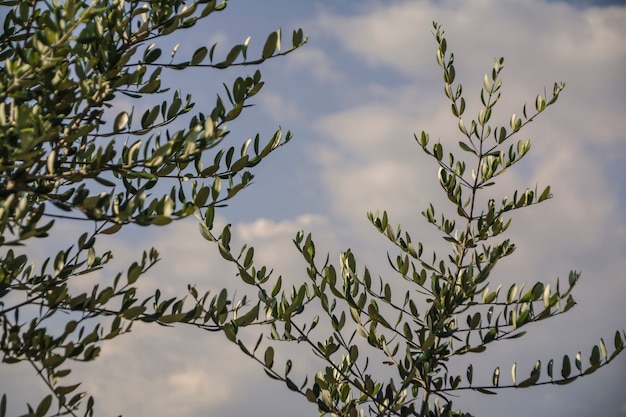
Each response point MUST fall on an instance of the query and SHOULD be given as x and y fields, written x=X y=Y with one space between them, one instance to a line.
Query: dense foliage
x=67 y=154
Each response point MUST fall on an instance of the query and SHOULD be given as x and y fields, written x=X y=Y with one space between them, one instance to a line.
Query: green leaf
x=603 y=350
x=310 y=396
x=438 y=151
x=172 y=318
x=470 y=373
x=291 y=385
x=594 y=360
x=247 y=263
x=566 y=368
x=511 y=294
x=230 y=333
x=111 y=230
x=151 y=54
x=249 y=317
x=297 y=37
x=239 y=164
x=268 y=358
x=187 y=11
x=121 y=121
x=495 y=379
x=243 y=348
x=578 y=362
x=619 y=342
x=51 y=162
x=474 y=321
x=231 y=56
x=466 y=147
x=133 y=312
x=540 y=103
x=550 y=369
x=149 y=117
x=202 y=196
x=150 y=87
x=44 y=406
x=270 y=45
x=134 y=271
x=534 y=376
x=53 y=361
x=353 y=353
x=199 y=55
x=545 y=194
x=246 y=277
x=66 y=389
x=161 y=220
x=485 y=391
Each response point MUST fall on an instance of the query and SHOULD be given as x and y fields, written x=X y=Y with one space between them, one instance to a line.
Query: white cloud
x=365 y=137
x=264 y=229
x=384 y=37
x=159 y=371
x=316 y=61
x=279 y=108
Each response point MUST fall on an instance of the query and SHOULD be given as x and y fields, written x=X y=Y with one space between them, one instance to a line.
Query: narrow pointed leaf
x=566 y=368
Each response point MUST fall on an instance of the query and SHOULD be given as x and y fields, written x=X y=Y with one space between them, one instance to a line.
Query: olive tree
x=384 y=350
x=68 y=154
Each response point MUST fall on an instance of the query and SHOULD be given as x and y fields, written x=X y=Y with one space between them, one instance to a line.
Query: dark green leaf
x=44 y=406
x=566 y=368
x=268 y=358
x=59 y=390
x=270 y=45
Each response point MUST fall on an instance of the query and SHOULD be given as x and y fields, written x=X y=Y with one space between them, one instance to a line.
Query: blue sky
x=353 y=97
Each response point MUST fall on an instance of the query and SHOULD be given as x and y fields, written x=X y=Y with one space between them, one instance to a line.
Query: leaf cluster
x=69 y=154
x=387 y=351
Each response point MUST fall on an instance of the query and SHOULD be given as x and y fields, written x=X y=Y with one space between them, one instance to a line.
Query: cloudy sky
x=353 y=97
